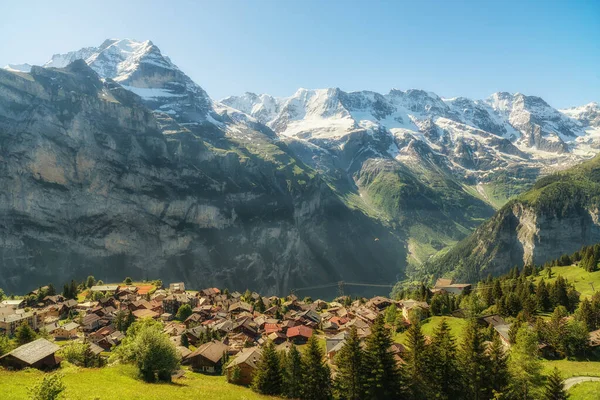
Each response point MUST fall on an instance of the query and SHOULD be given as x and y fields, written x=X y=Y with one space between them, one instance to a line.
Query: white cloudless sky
x=453 y=48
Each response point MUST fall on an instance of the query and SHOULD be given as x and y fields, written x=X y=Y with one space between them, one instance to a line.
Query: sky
x=454 y=48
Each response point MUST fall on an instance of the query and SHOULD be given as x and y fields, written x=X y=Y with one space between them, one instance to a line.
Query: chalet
x=208 y=357
x=332 y=341
x=308 y=316
x=48 y=300
x=448 y=286
x=299 y=334
x=246 y=326
x=239 y=307
x=379 y=303
x=193 y=320
x=277 y=337
x=414 y=308
x=65 y=332
x=144 y=313
x=112 y=289
x=330 y=327
x=247 y=361
x=16 y=304
x=178 y=287
x=499 y=325
x=90 y=323
x=39 y=354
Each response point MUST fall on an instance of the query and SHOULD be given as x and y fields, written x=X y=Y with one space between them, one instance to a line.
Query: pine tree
x=524 y=366
x=24 y=334
x=317 y=376
x=555 y=389
x=268 y=377
x=416 y=362
x=350 y=361
x=292 y=373
x=443 y=374
x=585 y=314
x=542 y=296
x=497 y=367
x=473 y=362
x=383 y=375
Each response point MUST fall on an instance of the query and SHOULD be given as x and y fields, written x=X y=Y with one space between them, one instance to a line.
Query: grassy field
x=585 y=391
x=578 y=276
x=120 y=382
x=570 y=368
x=457 y=327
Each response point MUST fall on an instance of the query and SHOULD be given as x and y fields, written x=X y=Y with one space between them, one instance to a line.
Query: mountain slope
x=94 y=182
x=557 y=216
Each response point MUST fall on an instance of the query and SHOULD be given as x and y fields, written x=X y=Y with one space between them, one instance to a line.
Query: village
x=217 y=332
x=217 y=325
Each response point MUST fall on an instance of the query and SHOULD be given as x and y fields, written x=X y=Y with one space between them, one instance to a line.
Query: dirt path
x=569 y=383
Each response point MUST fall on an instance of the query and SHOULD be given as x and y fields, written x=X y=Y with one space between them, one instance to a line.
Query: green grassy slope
x=120 y=382
x=585 y=391
x=585 y=282
x=429 y=325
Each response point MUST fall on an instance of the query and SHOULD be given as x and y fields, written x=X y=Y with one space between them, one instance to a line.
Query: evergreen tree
x=24 y=334
x=559 y=292
x=416 y=362
x=383 y=375
x=184 y=340
x=543 y=297
x=473 y=362
x=73 y=290
x=524 y=366
x=555 y=389
x=498 y=366
x=292 y=373
x=51 y=291
x=268 y=377
x=259 y=305
x=350 y=361
x=585 y=314
x=317 y=376
x=443 y=373
x=91 y=281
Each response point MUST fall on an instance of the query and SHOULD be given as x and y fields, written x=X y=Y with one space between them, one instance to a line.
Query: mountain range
x=114 y=160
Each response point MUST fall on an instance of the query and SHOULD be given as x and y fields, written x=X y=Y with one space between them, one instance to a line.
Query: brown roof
x=212 y=351
x=145 y=313
x=441 y=282
x=33 y=352
x=250 y=356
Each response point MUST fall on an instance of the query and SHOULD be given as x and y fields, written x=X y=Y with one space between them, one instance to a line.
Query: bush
x=48 y=388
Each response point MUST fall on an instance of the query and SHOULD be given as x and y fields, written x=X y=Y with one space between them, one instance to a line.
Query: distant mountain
x=120 y=163
x=559 y=215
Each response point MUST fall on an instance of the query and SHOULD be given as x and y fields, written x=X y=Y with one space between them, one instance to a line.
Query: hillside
x=557 y=216
x=89 y=384
x=94 y=181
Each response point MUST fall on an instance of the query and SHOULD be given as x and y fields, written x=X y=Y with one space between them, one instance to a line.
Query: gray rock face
x=93 y=182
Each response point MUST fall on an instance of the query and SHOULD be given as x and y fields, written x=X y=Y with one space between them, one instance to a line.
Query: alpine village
x=523 y=335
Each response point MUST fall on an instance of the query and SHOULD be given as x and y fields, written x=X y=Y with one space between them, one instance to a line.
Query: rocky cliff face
x=93 y=182
x=558 y=216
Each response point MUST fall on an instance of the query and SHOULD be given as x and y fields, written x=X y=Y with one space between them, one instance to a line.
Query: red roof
x=144 y=289
x=270 y=328
x=300 y=330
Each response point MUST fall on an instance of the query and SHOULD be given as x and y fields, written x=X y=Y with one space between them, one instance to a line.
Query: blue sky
x=454 y=48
